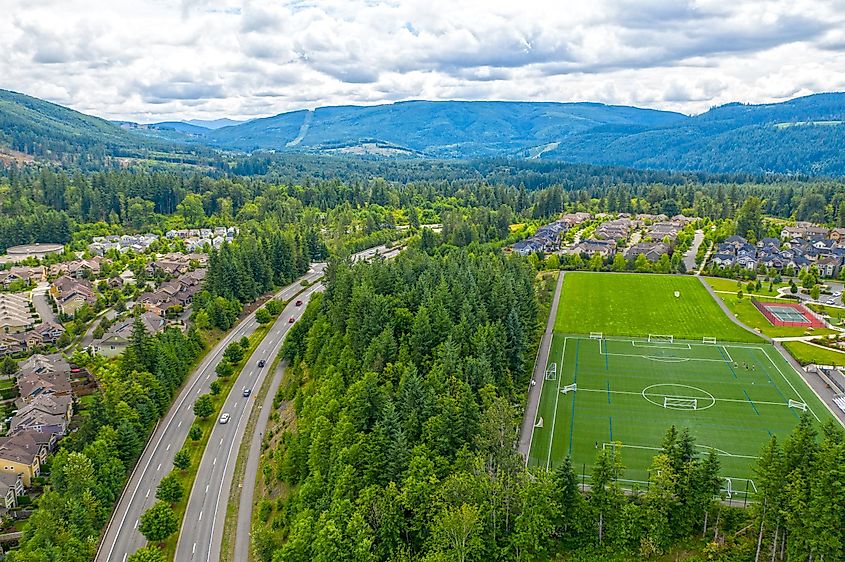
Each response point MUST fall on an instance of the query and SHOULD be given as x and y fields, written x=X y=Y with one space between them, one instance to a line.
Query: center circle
x=657 y=392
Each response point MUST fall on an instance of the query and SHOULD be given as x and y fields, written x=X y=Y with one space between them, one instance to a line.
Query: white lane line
x=148 y=494
x=200 y=517
x=199 y=390
x=207 y=377
x=221 y=440
x=206 y=488
x=124 y=556
x=136 y=523
x=158 y=467
x=168 y=447
x=180 y=424
x=214 y=462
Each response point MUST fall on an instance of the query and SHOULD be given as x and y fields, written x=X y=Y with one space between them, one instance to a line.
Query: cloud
x=151 y=60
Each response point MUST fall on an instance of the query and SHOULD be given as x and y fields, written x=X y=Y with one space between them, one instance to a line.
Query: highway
x=122 y=537
x=201 y=534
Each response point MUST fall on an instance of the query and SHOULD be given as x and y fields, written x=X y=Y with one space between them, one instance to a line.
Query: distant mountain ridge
x=801 y=136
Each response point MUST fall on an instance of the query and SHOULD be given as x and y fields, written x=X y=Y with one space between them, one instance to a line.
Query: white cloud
x=149 y=60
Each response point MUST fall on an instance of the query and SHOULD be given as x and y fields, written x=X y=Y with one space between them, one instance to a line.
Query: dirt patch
x=9 y=156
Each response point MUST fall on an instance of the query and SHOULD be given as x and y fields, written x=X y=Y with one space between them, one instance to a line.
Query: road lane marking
x=136 y=523
x=168 y=447
x=200 y=517
x=214 y=462
x=221 y=440
x=206 y=488
x=180 y=424
x=158 y=467
x=148 y=494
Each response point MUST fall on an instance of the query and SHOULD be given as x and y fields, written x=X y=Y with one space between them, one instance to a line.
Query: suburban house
x=604 y=248
x=24 y=274
x=804 y=230
x=71 y=294
x=21 y=454
x=45 y=414
x=114 y=342
x=11 y=488
x=15 y=315
x=651 y=250
x=796 y=253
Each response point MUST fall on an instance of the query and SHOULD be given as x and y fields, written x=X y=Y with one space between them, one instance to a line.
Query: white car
x=224 y=418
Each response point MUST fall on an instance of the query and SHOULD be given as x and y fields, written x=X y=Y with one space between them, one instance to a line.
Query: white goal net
x=551 y=372
x=708 y=339
x=661 y=338
x=569 y=388
x=676 y=403
x=798 y=405
x=596 y=335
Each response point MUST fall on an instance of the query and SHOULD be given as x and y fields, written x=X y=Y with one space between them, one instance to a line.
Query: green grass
x=617 y=401
x=836 y=313
x=748 y=314
x=729 y=285
x=805 y=354
x=642 y=304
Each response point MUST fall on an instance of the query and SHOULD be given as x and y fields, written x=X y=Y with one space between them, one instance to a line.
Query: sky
x=157 y=60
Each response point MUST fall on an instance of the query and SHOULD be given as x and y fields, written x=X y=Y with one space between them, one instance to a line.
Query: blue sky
x=151 y=60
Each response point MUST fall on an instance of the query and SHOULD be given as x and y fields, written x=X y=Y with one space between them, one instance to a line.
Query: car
x=224 y=418
x=261 y=363
x=298 y=303
x=831 y=301
x=291 y=320
x=247 y=392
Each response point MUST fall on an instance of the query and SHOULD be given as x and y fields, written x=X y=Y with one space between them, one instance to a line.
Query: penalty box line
x=720 y=452
x=630 y=393
x=671 y=359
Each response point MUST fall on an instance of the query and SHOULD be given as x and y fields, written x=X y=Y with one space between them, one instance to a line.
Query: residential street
x=42 y=305
x=689 y=257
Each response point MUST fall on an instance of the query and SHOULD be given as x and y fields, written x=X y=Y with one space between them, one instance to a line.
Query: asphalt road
x=202 y=527
x=122 y=537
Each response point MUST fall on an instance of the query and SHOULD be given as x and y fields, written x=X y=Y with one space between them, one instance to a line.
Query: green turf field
x=640 y=304
x=742 y=392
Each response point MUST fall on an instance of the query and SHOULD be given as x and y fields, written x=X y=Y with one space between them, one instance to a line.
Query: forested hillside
x=799 y=136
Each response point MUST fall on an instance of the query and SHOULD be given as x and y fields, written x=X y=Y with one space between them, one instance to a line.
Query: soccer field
x=731 y=396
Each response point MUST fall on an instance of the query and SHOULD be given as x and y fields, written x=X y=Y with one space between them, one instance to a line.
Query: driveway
x=42 y=305
x=689 y=257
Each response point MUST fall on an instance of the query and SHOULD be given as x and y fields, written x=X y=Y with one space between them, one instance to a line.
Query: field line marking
x=575 y=377
x=557 y=398
x=640 y=343
x=729 y=363
x=766 y=353
x=727 y=354
x=628 y=392
x=750 y=401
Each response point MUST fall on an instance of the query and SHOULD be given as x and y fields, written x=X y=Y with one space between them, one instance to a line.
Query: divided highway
x=207 y=504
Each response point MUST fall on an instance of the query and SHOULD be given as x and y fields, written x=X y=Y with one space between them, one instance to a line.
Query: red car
x=291 y=321
x=298 y=303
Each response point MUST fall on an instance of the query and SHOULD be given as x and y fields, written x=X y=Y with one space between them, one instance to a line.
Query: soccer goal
x=661 y=338
x=596 y=335
x=569 y=388
x=539 y=422
x=708 y=339
x=675 y=403
x=798 y=405
x=551 y=372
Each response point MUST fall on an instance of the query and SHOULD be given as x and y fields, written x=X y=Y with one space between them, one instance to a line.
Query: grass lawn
x=837 y=314
x=640 y=304
x=741 y=394
x=729 y=285
x=805 y=354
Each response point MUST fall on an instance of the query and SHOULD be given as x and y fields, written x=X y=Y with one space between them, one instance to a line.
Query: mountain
x=447 y=129
x=53 y=132
x=213 y=123
x=799 y=136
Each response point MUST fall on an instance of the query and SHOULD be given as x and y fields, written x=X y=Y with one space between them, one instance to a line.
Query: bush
x=245 y=342
x=263 y=316
x=147 y=554
x=195 y=433
x=215 y=388
x=274 y=307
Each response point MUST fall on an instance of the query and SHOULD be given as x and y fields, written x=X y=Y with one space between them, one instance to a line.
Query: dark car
x=291 y=320
x=298 y=303
x=261 y=363
x=247 y=392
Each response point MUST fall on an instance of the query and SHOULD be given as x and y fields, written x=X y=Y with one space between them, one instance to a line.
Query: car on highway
x=291 y=320
x=247 y=392
x=224 y=418
x=298 y=303
x=261 y=363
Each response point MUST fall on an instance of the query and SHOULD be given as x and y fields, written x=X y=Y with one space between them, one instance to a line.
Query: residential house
x=651 y=250
x=15 y=314
x=114 y=342
x=71 y=294
x=829 y=266
x=21 y=454
x=838 y=234
x=11 y=488
x=45 y=333
x=44 y=414
x=590 y=247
